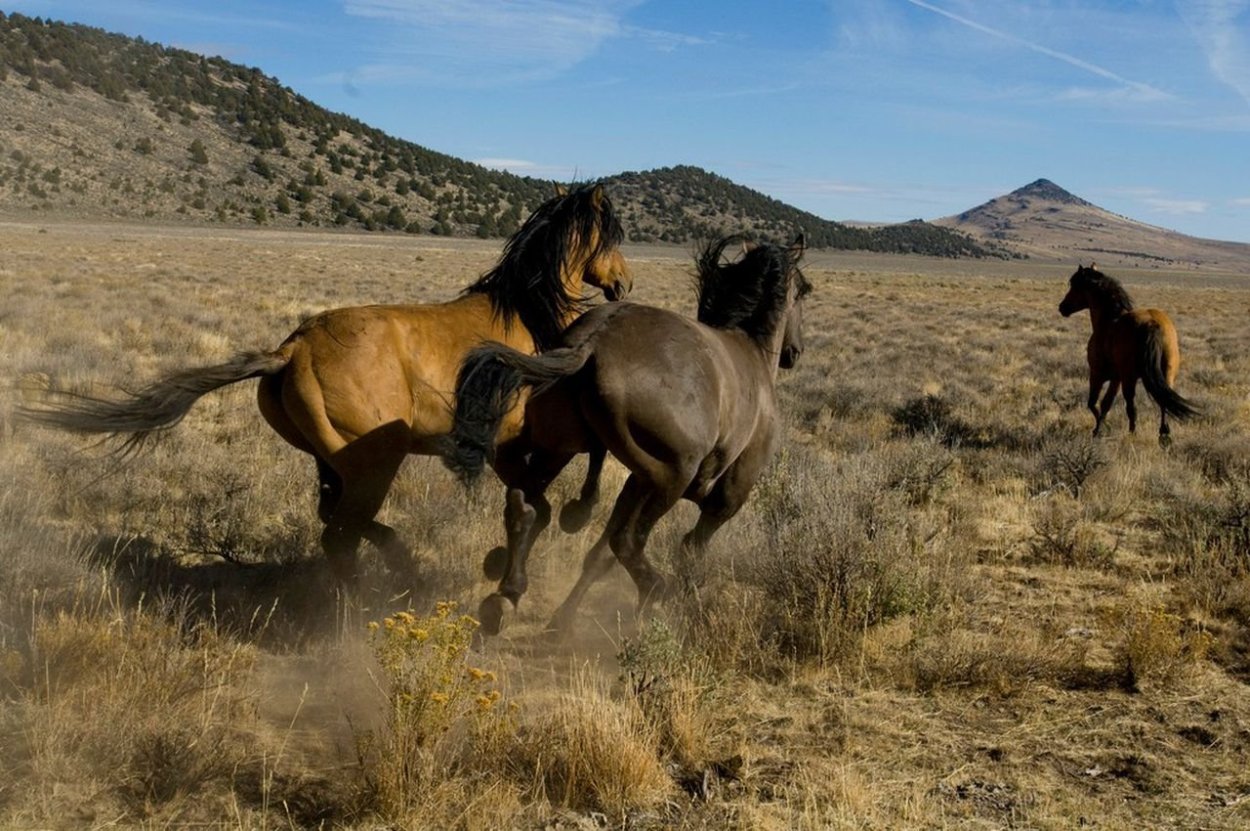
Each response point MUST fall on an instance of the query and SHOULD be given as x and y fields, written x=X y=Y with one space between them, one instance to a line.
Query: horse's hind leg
x=519 y=518
x=367 y=467
x=600 y=557
x=329 y=489
x=726 y=498
x=526 y=514
x=720 y=505
x=630 y=540
x=1130 y=403
x=575 y=515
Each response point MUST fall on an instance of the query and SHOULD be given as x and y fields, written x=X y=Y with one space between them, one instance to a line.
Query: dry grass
x=944 y=604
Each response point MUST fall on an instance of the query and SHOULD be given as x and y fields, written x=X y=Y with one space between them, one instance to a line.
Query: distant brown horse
x=360 y=388
x=687 y=406
x=1127 y=345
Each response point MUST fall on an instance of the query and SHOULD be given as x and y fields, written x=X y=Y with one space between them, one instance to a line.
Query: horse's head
x=792 y=339
x=597 y=248
x=1079 y=285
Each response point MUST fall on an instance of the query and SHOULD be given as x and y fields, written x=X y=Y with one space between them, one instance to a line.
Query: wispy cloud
x=525 y=167
x=1176 y=207
x=1241 y=202
x=492 y=42
x=1221 y=27
x=1137 y=89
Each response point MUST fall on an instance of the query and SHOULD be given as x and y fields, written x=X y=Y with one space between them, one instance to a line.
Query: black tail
x=486 y=388
x=152 y=409
x=1155 y=380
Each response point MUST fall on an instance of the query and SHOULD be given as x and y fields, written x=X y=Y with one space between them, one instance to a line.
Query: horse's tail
x=154 y=408
x=487 y=386
x=1154 y=377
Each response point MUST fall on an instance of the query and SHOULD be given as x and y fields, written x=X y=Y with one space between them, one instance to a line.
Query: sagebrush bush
x=1068 y=461
x=676 y=692
x=1155 y=647
x=932 y=416
x=591 y=751
x=846 y=553
x=1006 y=661
x=1063 y=536
x=148 y=709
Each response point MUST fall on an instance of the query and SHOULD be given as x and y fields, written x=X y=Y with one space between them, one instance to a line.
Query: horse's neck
x=772 y=348
x=570 y=278
x=1103 y=315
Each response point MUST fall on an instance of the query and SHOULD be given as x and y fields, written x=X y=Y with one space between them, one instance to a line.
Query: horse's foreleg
x=575 y=515
x=1095 y=387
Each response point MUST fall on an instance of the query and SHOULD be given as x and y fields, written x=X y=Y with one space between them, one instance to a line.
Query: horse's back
x=358 y=368
x=663 y=389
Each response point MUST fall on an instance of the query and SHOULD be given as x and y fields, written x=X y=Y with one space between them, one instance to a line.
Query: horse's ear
x=597 y=195
x=798 y=247
x=561 y=190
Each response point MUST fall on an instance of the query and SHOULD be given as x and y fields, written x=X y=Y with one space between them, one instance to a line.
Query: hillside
x=102 y=126
x=1044 y=221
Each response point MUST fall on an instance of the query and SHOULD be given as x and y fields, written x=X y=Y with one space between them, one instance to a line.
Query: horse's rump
x=1158 y=359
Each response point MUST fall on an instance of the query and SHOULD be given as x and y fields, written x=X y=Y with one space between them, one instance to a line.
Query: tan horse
x=688 y=406
x=1127 y=345
x=360 y=388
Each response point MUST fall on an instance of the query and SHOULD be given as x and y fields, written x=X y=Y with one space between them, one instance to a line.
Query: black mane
x=525 y=284
x=1108 y=291
x=748 y=294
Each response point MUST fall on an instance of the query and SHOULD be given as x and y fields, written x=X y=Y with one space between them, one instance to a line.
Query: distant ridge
x=1044 y=221
x=103 y=126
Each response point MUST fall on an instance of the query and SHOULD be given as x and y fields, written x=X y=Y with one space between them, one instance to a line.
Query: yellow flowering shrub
x=443 y=713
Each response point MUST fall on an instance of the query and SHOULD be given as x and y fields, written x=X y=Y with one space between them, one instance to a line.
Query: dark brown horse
x=1127 y=345
x=687 y=406
x=360 y=388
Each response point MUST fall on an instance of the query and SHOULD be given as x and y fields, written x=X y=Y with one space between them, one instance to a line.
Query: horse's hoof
x=575 y=515
x=495 y=563
x=1165 y=441
x=561 y=624
x=492 y=613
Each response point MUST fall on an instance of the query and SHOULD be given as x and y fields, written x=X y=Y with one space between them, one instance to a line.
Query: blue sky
x=882 y=110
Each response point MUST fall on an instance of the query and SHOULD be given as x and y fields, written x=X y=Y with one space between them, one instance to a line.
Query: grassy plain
x=945 y=606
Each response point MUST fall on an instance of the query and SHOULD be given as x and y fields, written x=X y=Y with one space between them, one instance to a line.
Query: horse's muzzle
x=616 y=291
x=1064 y=310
